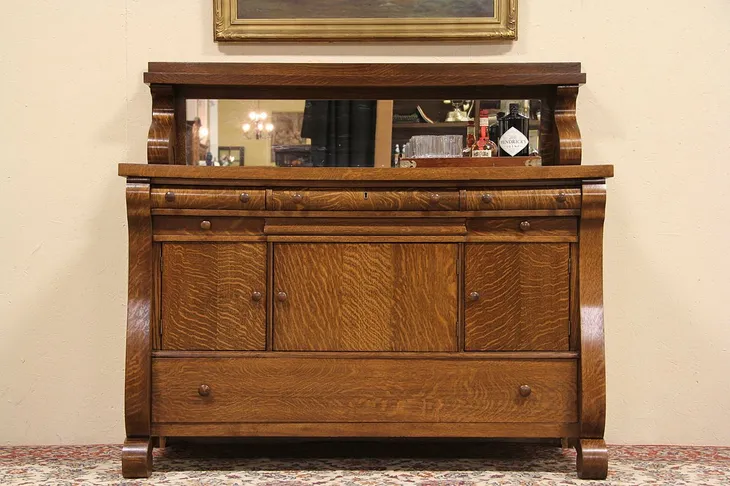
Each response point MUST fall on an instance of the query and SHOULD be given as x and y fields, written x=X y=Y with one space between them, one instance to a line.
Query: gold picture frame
x=229 y=27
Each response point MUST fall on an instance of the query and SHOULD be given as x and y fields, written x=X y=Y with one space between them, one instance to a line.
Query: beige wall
x=656 y=105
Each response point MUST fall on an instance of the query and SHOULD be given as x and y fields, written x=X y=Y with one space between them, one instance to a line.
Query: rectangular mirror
x=362 y=133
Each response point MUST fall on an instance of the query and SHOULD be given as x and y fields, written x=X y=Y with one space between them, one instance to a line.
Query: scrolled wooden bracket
x=138 y=370
x=161 y=137
x=592 y=348
x=569 y=144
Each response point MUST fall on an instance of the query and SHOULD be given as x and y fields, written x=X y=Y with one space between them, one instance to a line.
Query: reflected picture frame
x=231 y=25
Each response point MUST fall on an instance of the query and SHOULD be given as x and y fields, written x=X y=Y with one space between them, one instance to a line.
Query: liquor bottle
x=514 y=133
x=494 y=129
x=484 y=147
x=471 y=138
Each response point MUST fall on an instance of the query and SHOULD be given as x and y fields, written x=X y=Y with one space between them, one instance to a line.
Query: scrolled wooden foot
x=592 y=462
x=137 y=458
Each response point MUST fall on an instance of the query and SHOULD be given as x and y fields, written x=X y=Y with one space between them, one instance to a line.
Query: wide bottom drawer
x=294 y=389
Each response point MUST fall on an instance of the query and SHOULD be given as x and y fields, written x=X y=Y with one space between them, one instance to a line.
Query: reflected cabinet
x=328 y=290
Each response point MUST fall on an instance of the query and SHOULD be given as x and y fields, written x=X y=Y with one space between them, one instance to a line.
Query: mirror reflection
x=362 y=133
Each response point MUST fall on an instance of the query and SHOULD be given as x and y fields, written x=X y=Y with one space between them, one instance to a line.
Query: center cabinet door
x=365 y=297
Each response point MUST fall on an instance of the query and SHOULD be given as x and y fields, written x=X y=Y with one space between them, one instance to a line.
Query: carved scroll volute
x=590 y=277
x=137 y=400
x=570 y=147
x=160 y=141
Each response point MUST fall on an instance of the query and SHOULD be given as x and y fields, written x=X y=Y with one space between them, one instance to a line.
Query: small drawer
x=503 y=199
x=182 y=198
x=300 y=390
x=191 y=228
x=365 y=200
x=523 y=229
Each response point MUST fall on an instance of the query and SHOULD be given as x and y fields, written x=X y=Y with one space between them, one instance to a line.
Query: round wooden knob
x=525 y=226
x=297 y=198
x=435 y=198
x=525 y=391
x=281 y=296
x=474 y=296
x=205 y=225
x=256 y=296
x=561 y=197
x=487 y=198
x=203 y=390
x=169 y=196
x=245 y=198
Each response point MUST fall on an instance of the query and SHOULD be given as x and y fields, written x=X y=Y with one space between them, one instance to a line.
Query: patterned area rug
x=364 y=464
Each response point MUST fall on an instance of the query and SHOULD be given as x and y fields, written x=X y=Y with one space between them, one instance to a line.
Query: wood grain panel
x=187 y=198
x=370 y=390
x=365 y=297
x=207 y=296
x=523 y=302
x=383 y=227
x=193 y=227
x=500 y=199
x=514 y=229
x=365 y=200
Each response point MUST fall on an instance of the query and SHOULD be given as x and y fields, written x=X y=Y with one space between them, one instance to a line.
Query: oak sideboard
x=365 y=302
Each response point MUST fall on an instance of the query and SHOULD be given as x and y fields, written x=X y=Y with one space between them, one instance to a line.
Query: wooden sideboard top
x=272 y=174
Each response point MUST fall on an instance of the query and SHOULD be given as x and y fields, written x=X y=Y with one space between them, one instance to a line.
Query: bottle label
x=481 y=153
x=513 y=141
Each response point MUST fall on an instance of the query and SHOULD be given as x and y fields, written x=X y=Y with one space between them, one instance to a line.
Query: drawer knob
x=297 y=198
x=525 y=391
x=256 y=296
x=245 y=198
x=170 y=196
x=435 y=198
x=561 y=197
x=487 y=198
x=281 y=296
x=203 y=390
x=474 y=296
x=525 y=226
x=205 y=225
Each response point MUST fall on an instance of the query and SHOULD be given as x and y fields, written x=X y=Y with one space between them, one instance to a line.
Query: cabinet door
x=365 y=297
x=517 y=297
x=213 y=296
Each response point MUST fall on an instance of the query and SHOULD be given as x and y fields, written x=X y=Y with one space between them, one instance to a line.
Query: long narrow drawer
x=293 y=389
x=365 y=200
x=527 y=199
x=183 y=198
x=204 y=227
x=564 y=229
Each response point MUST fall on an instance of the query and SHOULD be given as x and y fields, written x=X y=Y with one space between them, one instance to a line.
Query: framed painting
x=357 y=20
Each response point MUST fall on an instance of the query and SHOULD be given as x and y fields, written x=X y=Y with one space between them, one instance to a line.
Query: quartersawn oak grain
x=523 y=302
x=186 y=198
x=365 y=297
x=365 y=200
x=207 y=296
x=500 y=199
x=280 y=390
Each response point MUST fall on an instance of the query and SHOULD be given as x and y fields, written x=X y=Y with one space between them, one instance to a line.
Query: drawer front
x=288 y=389
x=528 y=199
x=523 y=229
x=181 y=198
x=204 y=227
x=365 y=200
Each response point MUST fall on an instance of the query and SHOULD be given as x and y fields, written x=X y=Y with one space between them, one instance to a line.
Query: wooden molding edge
x=160 y=140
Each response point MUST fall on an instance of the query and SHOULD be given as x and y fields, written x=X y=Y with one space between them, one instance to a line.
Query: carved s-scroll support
x=161 y=138
x=137 y=390
x=592 y=454
x=570 y=147
x=592 y=349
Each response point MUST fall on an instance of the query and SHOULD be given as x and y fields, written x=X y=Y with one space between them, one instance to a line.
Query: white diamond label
x=513 y=141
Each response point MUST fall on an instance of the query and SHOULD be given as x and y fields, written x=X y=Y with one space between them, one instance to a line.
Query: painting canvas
x=348 y=20
x=298 y=9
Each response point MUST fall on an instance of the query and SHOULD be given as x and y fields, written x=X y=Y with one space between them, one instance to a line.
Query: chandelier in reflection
x=258 y=128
